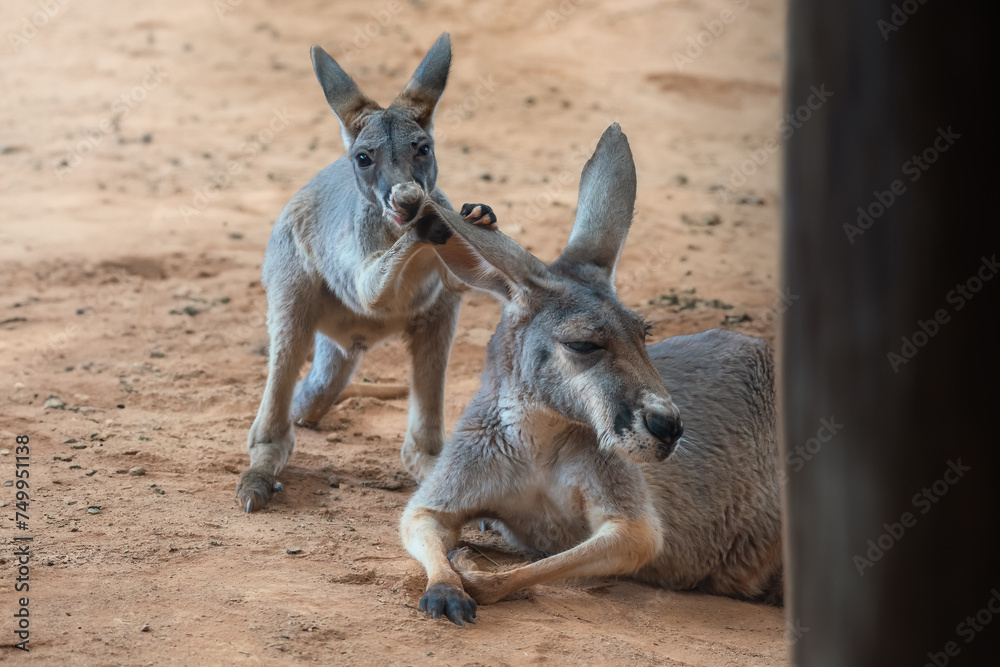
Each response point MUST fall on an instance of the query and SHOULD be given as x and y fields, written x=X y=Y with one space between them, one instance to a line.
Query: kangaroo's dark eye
x=583 y=347
x=424 y=150
x=363 y=160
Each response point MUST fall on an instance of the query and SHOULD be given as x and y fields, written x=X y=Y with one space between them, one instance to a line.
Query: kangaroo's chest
x=549 y=516
x=412 y=293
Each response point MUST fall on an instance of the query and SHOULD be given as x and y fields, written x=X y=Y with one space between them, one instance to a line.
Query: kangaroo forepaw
x=406 y=199
x=430 y=227
x=480 y=215
x=484 y=587
x=449 y=601
x=462 y=561
x=255 y=489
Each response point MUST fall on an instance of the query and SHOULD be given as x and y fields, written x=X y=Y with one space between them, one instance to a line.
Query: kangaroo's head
x=565 y=344
x=392 y=149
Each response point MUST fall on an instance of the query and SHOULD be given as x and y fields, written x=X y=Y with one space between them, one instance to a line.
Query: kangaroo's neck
x=512 y=424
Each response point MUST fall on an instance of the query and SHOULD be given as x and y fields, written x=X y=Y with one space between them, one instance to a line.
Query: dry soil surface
x=131 y=312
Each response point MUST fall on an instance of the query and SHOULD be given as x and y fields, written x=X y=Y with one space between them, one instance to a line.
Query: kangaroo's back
x=719 y=494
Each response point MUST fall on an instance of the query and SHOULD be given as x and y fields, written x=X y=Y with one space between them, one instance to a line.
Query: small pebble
x=4 y=452
x=159 y=491
x=293 y=550
x=137 y=471
x=91 y=473
x=54 y=403
x=8 y=482
x=334 y=481
x=94 y=509
x=144 y=627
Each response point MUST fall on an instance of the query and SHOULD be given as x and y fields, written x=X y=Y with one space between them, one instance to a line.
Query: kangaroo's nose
x=668 y=429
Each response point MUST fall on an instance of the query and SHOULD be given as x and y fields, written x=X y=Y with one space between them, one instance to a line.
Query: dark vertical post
x=891 y=244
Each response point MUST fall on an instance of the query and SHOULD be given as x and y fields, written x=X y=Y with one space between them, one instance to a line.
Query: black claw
x=479 y=214
x=451 y=602
x=473 y=607
x=454 y=610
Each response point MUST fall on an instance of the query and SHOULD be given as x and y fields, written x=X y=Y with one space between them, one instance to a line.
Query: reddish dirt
x=136 y=301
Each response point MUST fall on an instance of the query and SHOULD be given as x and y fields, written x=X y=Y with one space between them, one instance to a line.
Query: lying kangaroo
x=345 y=266
x=563 y=447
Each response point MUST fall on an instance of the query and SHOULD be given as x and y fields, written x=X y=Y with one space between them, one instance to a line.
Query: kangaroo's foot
x=479 y=214
x=255 y=489
x=417 y=461
x=449 y=601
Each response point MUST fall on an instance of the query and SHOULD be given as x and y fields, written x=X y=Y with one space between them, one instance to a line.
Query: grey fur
x=557 y=447
x=345 y=269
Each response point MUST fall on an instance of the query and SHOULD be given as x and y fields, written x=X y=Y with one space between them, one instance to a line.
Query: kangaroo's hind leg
x=429 y=338
x=331 y=371
x=291 y=323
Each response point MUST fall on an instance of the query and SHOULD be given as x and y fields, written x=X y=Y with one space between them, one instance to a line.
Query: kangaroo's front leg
x=376 y=281
x=428 y=535
x=620 y=546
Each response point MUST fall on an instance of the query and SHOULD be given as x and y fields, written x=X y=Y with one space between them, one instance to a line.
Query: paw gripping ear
x=431 y=228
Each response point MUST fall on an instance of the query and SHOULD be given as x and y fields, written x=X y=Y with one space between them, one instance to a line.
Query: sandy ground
x=130 y=292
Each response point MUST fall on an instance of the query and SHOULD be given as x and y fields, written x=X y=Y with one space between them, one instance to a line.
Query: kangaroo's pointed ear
x=421 y=95
x=604 y=209
x=343 y=95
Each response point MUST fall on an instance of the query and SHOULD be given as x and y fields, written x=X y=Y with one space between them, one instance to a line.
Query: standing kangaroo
x=563 y=447
x=344 y=265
